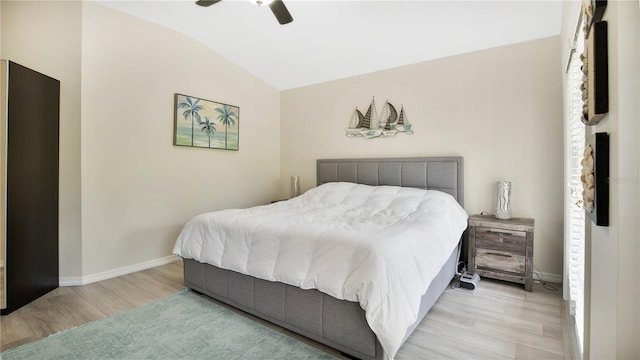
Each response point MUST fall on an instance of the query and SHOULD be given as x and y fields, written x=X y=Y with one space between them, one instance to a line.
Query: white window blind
x=575 y=139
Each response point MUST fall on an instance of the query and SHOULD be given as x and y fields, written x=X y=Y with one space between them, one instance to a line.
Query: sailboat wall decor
x=370 y=125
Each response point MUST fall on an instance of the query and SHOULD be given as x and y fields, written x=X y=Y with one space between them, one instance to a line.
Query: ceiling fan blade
x=280 y=11
x=207 y=2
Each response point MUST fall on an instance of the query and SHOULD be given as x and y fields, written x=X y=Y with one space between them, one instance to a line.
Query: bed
x=298 y=305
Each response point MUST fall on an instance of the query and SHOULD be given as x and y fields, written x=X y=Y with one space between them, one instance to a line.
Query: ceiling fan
x=277 y=7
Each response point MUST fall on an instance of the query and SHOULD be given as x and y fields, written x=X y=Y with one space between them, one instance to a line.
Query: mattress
x=378 y=246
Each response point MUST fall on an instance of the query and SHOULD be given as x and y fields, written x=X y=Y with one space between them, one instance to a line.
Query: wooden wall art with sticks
x=595 y=179
x=595 y=65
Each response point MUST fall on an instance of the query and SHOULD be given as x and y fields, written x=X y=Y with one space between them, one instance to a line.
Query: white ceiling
x=330 y=40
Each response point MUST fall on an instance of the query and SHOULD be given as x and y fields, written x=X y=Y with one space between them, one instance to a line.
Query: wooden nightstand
x=502 y=249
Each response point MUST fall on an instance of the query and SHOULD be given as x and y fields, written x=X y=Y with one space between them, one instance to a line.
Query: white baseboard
x=88 y=279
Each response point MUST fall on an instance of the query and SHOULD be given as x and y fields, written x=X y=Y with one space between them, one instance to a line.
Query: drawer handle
x=498 y=254
x=506 y=232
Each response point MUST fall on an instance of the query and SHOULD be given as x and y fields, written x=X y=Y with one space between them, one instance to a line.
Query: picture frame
x=205 y=123
x=596 y=71
x=595 y=179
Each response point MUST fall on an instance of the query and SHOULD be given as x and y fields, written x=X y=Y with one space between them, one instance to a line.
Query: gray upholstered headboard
x=434 y=173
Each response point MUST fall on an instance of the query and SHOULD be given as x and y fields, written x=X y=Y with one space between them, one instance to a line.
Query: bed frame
x=339 y=324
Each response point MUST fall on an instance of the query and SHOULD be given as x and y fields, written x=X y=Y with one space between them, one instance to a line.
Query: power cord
x=540 y=280
x=455 y=283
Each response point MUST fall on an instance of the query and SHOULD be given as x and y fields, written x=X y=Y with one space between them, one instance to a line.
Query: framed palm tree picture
x=205 y=123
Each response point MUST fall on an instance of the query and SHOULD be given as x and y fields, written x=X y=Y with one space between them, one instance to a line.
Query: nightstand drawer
x=501 y=240
x=500 y=260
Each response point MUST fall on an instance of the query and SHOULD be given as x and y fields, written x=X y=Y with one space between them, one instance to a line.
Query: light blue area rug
x=181 y=326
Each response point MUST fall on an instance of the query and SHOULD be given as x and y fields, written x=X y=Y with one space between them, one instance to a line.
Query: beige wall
x=615 y=294
x=1 y=236
x=138 y=189
x=125 y=190
x=499 y=108
x=1 y=57
x=45 y=36
x=612 y=288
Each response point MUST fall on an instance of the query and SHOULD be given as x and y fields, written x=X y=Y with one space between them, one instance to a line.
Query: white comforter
x=380 y=246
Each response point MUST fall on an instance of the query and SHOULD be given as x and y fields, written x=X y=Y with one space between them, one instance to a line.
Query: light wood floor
x=496 y=321
x=67 y=307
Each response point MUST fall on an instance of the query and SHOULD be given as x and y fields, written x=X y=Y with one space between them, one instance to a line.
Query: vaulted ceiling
x=330 y=40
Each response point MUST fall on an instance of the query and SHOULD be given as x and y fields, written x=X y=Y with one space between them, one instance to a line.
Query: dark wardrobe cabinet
x=29 y=130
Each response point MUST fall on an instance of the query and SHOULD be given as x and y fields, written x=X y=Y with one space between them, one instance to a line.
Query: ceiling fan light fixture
x=261 y=2
x=277 y=7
